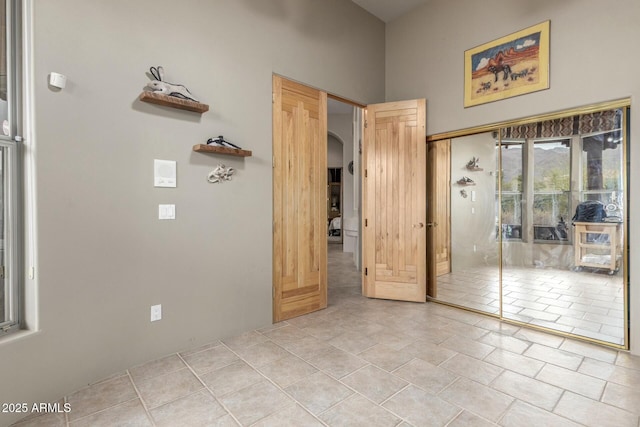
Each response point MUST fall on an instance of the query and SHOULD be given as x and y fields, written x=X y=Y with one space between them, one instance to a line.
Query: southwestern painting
x=512 y=65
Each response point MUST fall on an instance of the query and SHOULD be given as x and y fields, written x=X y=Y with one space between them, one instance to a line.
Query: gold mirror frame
x=623 y=104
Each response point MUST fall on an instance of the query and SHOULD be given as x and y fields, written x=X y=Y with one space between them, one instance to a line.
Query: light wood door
x=394 y=201
x=438 y=212
x=299 y=199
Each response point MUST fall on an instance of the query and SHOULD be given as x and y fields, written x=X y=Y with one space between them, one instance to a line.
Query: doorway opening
x=343 y=200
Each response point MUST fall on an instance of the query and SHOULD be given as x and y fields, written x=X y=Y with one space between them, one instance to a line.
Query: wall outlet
x=156 y=312
x=475 y=248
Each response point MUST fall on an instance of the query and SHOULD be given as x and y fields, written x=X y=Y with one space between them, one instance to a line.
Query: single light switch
x=166 y=211
x=473 y=195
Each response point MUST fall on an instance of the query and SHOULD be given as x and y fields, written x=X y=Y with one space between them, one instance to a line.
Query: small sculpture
x=220 y=174
x=221 y=142
x=170 y=89
x=465 y=180
x=463 y=193
x=473 y=163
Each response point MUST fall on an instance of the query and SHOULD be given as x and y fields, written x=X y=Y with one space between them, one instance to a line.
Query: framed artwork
x=509 y=66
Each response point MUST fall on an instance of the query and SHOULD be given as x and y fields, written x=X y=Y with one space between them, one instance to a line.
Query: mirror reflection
x=537 y=224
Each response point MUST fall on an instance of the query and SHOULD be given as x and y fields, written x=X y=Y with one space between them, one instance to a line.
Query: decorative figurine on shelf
x=465 y=180
x=220 y=174
x=221 y=142
x=166 y=88
x=463 y=193
x=473 y=164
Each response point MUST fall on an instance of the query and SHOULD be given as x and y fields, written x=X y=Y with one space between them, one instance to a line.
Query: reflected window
x=602 y=159
x=511 y=185
x=551 y=190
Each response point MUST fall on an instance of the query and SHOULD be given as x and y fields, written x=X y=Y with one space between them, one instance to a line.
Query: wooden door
x=438 y=212
x=299 y=199
x=394 y=201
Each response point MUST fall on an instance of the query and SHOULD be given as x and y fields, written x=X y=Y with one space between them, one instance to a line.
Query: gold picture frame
x=509 y=66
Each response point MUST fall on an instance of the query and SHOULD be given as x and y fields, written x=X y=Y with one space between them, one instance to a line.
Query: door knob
x=432 y=224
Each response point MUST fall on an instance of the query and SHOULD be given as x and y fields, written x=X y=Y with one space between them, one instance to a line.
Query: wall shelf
x=172 y=101
x=204 y=148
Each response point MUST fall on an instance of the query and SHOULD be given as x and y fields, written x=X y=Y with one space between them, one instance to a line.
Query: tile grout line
x=144 y=404
x=273 y=382
x=206 y=387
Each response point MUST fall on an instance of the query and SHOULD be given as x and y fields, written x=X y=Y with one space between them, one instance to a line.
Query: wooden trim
x=609 y=105
x=345 y=100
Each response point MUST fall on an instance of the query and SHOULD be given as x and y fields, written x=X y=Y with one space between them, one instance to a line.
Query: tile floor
x=366 y=362
x=584 y=303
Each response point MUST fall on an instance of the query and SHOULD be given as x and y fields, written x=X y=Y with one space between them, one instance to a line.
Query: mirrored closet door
x=537 y=231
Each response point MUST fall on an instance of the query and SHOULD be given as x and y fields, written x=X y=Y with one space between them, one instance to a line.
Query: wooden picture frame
x=512 y=65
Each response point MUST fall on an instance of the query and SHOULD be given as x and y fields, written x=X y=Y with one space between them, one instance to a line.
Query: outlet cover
x=166 y=211
x=156 y=312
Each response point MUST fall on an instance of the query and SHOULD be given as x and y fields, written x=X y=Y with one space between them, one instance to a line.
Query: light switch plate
x=166 y=211
x=156 y=312
x=164 y=173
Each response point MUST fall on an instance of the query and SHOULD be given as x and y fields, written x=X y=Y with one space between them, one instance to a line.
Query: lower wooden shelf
x=204 y=148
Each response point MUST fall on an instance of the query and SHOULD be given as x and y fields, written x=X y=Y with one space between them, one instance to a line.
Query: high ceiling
x=388 y=10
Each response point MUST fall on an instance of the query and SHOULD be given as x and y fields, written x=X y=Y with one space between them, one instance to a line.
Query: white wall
x=104 y=258
x=590 y=62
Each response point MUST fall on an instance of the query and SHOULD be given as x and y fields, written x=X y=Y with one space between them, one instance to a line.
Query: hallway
x=366 y=362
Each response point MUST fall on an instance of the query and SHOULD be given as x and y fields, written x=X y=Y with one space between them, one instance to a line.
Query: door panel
x=394 y=201
x=439 y=202
x=299 y=199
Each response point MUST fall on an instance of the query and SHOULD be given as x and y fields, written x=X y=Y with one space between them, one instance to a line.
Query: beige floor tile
x=477 y=398
x=318 y=392
x=285 y=334
x=512 y=344
x=353 y=342
x=539 y=337
x=385 y=357
x=469 y=347
x=591 y=413
x=208 y=360
x=628 y=360
x=571 y=380
x=207 y=346
x=496 y=325
x=288 y=370
x=590 y=350
x=244 y=340
x=53 y=419
x=467 y=419
x=473 y=369
x=617 y=374
x=307 y=347
x=159 y=390
x=521 y=414
x=528 y=390
x=231 y=378
x=393 y=339
x=292 y=416
x=359 y=411
x=515 y=362
x=130 y=413
x=100 y=396
x=622 y=397
x=421 y=408
x=337 y=363
x=557 y=357
x=325 y=330
x=374 y=383
x=425 y=375
x=255 y=402
x=262 y=353
x=429 y=352
x=157 y=367
x=198 y=409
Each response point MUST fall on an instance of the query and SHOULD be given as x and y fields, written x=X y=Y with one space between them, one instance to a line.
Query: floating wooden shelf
x=204 y=148
x=172 y=101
